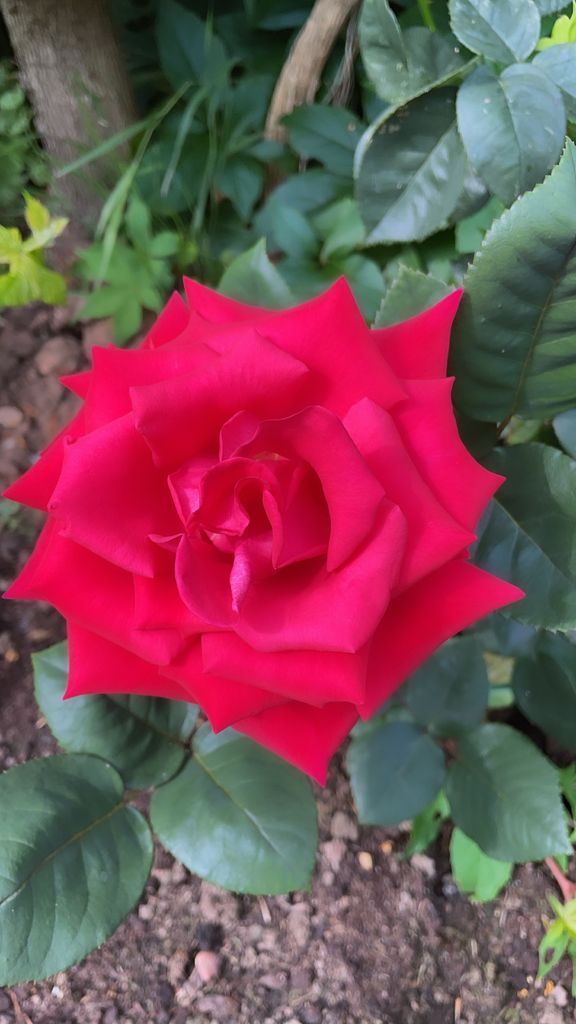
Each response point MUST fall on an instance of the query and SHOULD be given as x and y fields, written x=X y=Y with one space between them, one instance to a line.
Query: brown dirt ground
x=392 y=942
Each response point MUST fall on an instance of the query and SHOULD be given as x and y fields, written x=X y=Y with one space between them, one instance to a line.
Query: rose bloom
x=266 y=513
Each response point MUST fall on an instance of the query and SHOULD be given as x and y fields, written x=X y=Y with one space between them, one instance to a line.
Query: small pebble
x=334 y=851
x=560 y=995
x=274 y=982
x=10 y=417
x=343 y=827
x=220 y=1007
x=365 y=860
x=424 y=864
x=207 y=965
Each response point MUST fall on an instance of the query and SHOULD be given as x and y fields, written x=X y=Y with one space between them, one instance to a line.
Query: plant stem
x=567 y=888
x=426 y=13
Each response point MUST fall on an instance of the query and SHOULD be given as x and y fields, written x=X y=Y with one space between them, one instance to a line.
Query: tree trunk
x=75 y=75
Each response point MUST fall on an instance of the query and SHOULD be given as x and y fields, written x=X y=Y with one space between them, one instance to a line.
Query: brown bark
x=300 y=76
x=75 y=75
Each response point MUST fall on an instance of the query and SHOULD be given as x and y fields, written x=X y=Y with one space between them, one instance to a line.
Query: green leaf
x=502 y=30
x=36 y=215
x=514 y=344
x=545 y=688
x=304 y=192
x=410 y=293
x=294 y=229
x=395 y=771
x=559 y=64
x=470 y=231
x=188 y=48
x=426 y=825
x=252 y=278
x=342 y=229
x=565 y=429
x=74 y=860
x=550 y=6
x=475 y=874
x=411 y=168
x=143 y=737
x=239 y=816
x=164 y=245
x=513 y=127
x=241 y=180
x=505 y=795
x=403 y=65
x=327 y=134
x=528 y=534
x=449 y=694
x=138 y=222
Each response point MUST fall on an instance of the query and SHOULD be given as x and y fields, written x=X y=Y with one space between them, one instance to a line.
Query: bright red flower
x=265 y=513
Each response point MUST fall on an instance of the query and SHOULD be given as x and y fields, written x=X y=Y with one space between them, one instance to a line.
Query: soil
x=378 y=939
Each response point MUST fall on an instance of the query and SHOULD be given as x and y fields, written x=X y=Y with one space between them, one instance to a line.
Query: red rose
x=265 y=513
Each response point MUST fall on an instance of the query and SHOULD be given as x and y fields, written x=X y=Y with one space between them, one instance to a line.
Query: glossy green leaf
x=402 y=65
x=74 y=860
x=143 y=737
x=253 y=279
x=502 y=30
x=479 y=876
x=565 y=429
x=410 y=171
x=410 y=293
x=528 y=534
x=239 y=816
x=471 y=230
x=559 y=64
x=514 y=342
x=395 y=771
x=545 y=688
x=324 y=133
x=505 y=795
x=550 y=6
x=513 y=127
x=448 y=695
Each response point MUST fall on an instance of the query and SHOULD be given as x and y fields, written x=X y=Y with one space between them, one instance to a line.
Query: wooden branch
x=300 y=77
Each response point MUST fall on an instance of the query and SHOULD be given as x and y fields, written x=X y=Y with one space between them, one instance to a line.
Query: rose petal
x=313 y=677
x=182 y=416
x=169 y=324
x=306 y=737
x=78 y=383
x=224 y=702
x=110 y=497
x=317 y=437
x=418 y=348
x=98 y=666
x=428 y=429
x=82 y=594
x=423 y=617
x=307 y=608
x=36 y=486
x=216 y=307
x=433 y=536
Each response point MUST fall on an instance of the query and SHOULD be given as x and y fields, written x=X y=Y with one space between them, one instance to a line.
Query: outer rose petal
x=255 y=375
x=429 y=431
x=158 y=605
x=313 y=677
x=433 y=537
x=418 y=348
x=36 y=486
x=98 y=666
x=327 y=333
x=223 y=701
x=305 y=736
x=110 y=497
x=423 y=617
x=169 y=324
x=82 y=594
x=77 y=383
